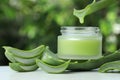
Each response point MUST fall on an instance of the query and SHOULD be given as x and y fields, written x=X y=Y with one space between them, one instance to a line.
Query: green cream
x=81 y=48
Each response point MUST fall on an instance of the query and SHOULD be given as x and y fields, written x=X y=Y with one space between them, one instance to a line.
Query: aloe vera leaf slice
x=110 y=66
x=16 y=67
x=21 y=68
x=29 y=61
x=22 y=61
x=25 y=53
x=29 y=68
x=51 y=58
x=52 y=69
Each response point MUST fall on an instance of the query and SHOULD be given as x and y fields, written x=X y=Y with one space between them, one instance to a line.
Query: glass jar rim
x=79 y=28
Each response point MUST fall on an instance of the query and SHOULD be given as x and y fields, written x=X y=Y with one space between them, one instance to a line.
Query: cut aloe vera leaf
x=10 y=57
x=16 y=67
x=25 y=54
x=110 y=67
x=52 y=69
x=23 y=61
x=93 y=64
x=91 y=8
x=20 y=68
x=51 y=58
x=30 y=68
x=29 y=61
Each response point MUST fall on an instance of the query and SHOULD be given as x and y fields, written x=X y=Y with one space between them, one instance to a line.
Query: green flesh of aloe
x=52 y=69
x=51 y=58
x=10 y=57
x=21 y=68
x=23 y=61
x=110 y=67
x=25 y=54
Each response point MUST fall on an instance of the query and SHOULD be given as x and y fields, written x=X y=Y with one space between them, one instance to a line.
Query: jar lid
x=78 y=30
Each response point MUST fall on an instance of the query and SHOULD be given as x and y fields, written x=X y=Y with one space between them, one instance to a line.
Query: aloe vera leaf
x=93 y=64
x=110 y=66
x=22 y=61
x=52 y=69
x=25 y=54
x=30 y=68
x=91 y=8
x=16 y=67
x=51 y=58
x=29 y=61
x=21 y=68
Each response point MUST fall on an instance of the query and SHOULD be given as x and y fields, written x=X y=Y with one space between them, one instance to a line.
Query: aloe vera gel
x=80 y=43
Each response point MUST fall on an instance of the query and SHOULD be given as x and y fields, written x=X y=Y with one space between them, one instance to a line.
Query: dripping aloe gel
x=80 y=43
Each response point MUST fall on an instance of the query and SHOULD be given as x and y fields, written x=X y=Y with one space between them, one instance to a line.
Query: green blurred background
x=26 y=24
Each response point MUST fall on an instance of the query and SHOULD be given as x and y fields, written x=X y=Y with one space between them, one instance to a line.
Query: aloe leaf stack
x=23 y=60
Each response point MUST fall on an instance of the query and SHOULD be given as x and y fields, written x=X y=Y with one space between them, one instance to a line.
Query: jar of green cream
x=80 y=43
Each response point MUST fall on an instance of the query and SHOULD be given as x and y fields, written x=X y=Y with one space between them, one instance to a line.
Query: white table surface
x=8 y=74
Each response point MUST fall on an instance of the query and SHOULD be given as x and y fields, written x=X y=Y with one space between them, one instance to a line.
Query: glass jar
x=81 y=43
